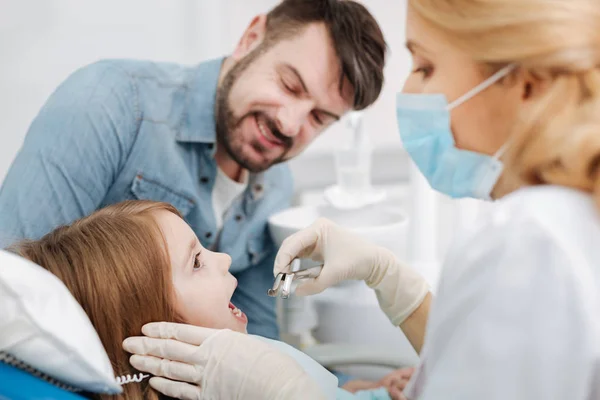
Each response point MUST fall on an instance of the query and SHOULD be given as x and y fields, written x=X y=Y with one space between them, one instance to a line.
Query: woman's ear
x=253 y=36
x=527 y=90
x=532 y=86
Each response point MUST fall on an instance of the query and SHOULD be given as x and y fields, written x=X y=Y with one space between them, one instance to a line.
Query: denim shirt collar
x=198 y=120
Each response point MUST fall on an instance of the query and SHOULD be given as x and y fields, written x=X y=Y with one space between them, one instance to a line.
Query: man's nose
x=291 y=118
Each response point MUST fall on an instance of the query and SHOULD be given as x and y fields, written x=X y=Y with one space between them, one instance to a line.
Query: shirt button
x=238 y=218
x=208 y=235
x=258 y=188
x=204 y=179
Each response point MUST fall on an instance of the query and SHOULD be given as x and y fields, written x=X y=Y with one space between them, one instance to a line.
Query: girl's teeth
x=237 y=312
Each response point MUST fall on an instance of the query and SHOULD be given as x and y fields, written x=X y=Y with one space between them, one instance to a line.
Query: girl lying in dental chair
x=138 y=262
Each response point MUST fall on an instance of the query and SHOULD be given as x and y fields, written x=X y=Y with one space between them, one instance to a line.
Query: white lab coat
x=517 y=313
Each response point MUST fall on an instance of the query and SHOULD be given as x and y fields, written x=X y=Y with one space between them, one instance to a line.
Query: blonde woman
x=503 y=103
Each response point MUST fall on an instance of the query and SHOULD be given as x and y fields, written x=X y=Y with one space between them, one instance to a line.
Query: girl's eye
x=198 y=264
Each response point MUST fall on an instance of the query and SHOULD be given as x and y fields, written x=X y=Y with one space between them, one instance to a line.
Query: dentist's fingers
x=311 y=286
x=307 y=287
x=167 y=369
x=177 y=390
x=332 y=273
x=301 y=244
x=191 y=334
x=162 y=348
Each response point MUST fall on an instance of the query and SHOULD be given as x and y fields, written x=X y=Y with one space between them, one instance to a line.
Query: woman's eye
x=426 y=71
x=198 y=264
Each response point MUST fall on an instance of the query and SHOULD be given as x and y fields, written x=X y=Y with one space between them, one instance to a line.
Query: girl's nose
x=224 y=261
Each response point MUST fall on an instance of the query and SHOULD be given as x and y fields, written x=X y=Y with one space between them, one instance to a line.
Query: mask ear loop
x=482 y=86
x=502 y=150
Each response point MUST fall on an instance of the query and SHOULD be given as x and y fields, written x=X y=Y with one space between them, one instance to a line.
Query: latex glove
x=345 y=256
x=206 y=363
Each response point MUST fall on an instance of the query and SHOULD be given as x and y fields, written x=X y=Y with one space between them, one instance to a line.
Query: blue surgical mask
x=424 y=124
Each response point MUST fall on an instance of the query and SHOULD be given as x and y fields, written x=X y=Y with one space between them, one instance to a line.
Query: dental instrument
x=283 y=281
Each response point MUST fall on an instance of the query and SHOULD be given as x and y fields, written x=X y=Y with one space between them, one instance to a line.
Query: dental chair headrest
x=43 y=325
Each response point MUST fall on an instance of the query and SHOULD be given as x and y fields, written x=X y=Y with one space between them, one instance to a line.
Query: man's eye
x=317 y=118
x=288 y=87
x=198 y=264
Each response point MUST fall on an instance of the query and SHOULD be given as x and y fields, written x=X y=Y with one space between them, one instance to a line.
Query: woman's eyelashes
x=426 y=70
x=198 y=263
x=422 y=66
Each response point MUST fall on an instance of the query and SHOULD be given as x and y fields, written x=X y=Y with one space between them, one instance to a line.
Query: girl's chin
x=241 y=328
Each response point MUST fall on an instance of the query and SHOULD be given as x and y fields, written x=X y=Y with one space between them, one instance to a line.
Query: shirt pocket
x=150 y=189
x=259 y=248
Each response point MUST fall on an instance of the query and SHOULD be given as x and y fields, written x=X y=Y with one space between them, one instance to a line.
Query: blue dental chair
x=16 y=384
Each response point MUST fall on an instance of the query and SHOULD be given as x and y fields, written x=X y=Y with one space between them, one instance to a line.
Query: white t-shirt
x=225 y=192
x=517 y=314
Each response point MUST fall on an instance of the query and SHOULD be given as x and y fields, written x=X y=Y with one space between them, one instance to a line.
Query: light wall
x=42 y=42
x=41 y=48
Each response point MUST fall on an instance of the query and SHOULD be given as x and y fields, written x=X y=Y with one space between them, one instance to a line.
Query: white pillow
x=43 y=325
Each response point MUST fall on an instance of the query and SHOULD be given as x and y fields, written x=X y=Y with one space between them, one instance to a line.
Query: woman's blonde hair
x=116 y=265
x=557 y=41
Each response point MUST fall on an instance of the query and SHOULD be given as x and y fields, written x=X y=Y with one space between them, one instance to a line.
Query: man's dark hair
x=356 y=36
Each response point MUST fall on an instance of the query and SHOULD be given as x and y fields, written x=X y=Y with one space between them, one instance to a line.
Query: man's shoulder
x=141 y=70
x=124 y=89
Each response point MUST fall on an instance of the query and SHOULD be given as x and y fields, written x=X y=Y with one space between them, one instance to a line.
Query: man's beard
x=227 y=123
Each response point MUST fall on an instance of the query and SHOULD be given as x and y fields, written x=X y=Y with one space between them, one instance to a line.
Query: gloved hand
x=207 y=363
x=400 y=290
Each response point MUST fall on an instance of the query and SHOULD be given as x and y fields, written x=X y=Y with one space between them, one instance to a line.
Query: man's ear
x=253 y=36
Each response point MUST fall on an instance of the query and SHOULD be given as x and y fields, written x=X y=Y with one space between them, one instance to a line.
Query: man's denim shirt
x=124 y=129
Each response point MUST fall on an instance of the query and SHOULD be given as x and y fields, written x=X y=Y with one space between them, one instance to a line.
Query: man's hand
x=394 y=382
